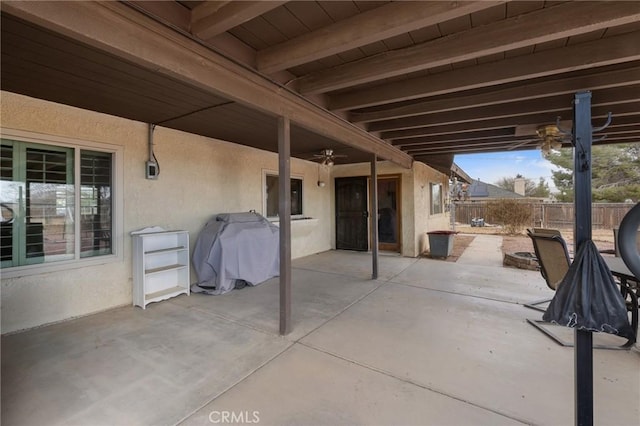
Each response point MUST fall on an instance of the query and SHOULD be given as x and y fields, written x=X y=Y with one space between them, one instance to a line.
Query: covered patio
x=428 y=342
x=362 y=85
x=236 y=90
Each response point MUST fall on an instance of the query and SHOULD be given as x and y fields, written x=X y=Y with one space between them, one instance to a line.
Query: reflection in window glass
x=272 y=196
x=436 y=198
x=95 y=203
x=37 y=200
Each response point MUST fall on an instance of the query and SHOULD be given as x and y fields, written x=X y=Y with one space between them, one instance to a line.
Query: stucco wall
x=424 y=221
x=199 y=177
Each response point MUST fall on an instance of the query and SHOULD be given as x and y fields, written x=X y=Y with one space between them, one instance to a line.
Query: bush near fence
x=512 y=215
x=550 y=215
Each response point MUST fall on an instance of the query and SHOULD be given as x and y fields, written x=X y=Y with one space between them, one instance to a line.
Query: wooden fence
x=552 y=215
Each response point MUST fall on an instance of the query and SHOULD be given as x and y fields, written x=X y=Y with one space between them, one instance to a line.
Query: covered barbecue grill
x=235 y=248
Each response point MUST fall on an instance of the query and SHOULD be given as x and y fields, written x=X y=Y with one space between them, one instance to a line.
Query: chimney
x=518 y=185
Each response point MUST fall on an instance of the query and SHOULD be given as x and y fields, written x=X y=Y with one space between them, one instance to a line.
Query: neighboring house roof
x=479 y=189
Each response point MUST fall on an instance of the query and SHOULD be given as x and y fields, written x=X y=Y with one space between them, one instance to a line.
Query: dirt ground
x=603 y=238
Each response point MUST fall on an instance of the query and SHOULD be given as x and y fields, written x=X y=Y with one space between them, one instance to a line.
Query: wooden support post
x=582 y=233
x=284 y=214
x=373 y=217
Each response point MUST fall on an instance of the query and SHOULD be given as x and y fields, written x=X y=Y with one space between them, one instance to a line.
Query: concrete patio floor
x=428 y=343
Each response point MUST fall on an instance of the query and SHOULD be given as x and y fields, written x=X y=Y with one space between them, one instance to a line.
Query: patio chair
x=545 y=231
x=553 y=258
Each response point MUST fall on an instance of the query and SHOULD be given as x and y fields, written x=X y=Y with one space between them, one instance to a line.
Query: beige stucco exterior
x=199 y=177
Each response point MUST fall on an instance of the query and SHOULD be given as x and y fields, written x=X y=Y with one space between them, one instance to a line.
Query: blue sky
x=490 y=167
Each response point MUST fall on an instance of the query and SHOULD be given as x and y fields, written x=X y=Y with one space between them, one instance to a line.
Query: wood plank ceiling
x=433 y=78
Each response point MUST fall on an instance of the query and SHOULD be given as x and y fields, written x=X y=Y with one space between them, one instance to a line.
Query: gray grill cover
x=235 y=246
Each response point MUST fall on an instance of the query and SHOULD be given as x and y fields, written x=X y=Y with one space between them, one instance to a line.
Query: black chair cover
x=588 y=297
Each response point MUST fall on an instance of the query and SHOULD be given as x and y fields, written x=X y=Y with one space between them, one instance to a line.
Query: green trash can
x=441 y=243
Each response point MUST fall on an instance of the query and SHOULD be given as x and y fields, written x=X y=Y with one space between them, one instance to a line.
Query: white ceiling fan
x=326 y=157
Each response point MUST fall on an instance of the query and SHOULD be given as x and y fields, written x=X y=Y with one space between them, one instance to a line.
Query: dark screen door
x=351 y=213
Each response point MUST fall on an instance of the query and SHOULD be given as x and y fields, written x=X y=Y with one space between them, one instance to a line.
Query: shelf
x=164 y=269
x=165 y=250
x=165 y=294
x=160 y=265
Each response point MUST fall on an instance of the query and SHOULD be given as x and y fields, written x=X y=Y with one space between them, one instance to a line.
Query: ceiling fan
x=551 y=137
x=326 y=157
x=547 y=137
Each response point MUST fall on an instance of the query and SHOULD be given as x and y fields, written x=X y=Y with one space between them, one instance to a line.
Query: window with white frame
x=56 y=202
x=271 y=196
x=436 y=198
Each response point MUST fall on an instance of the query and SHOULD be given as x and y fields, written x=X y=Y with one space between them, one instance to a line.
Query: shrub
x=511 y=214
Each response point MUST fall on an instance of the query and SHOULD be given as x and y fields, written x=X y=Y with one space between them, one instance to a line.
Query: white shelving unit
x=160 y=265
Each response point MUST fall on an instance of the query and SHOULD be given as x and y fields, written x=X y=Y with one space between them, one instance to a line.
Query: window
x=41 y=188
x=271 y=196
x=436 y=198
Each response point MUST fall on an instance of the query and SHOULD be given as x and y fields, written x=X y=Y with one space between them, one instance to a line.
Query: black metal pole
x=374 y=217
x=582 y=233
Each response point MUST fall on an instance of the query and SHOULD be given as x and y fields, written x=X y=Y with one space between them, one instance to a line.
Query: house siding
x=199 y=177
x=424 y=220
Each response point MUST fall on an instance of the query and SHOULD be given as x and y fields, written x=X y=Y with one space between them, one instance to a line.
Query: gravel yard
x=603 y=238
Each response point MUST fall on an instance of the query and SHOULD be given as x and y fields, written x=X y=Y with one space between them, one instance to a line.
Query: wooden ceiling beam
x=149 y=44
x=461 y=128
x=493 y=134
x=622 y=113
x=497 y=134
x=544 y=25
x=621 y=130
x=522 y=92
x=528 y=145
x=170 y=12
x=619 y=139
x=607 y=51
x=615 y=95
x=212 y=18
x=397 y=136
x=417 y=149
x=384 y=22
x=525 y=144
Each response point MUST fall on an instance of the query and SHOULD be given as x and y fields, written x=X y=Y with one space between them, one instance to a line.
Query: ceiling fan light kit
x=551 y=135
x=326 y=157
